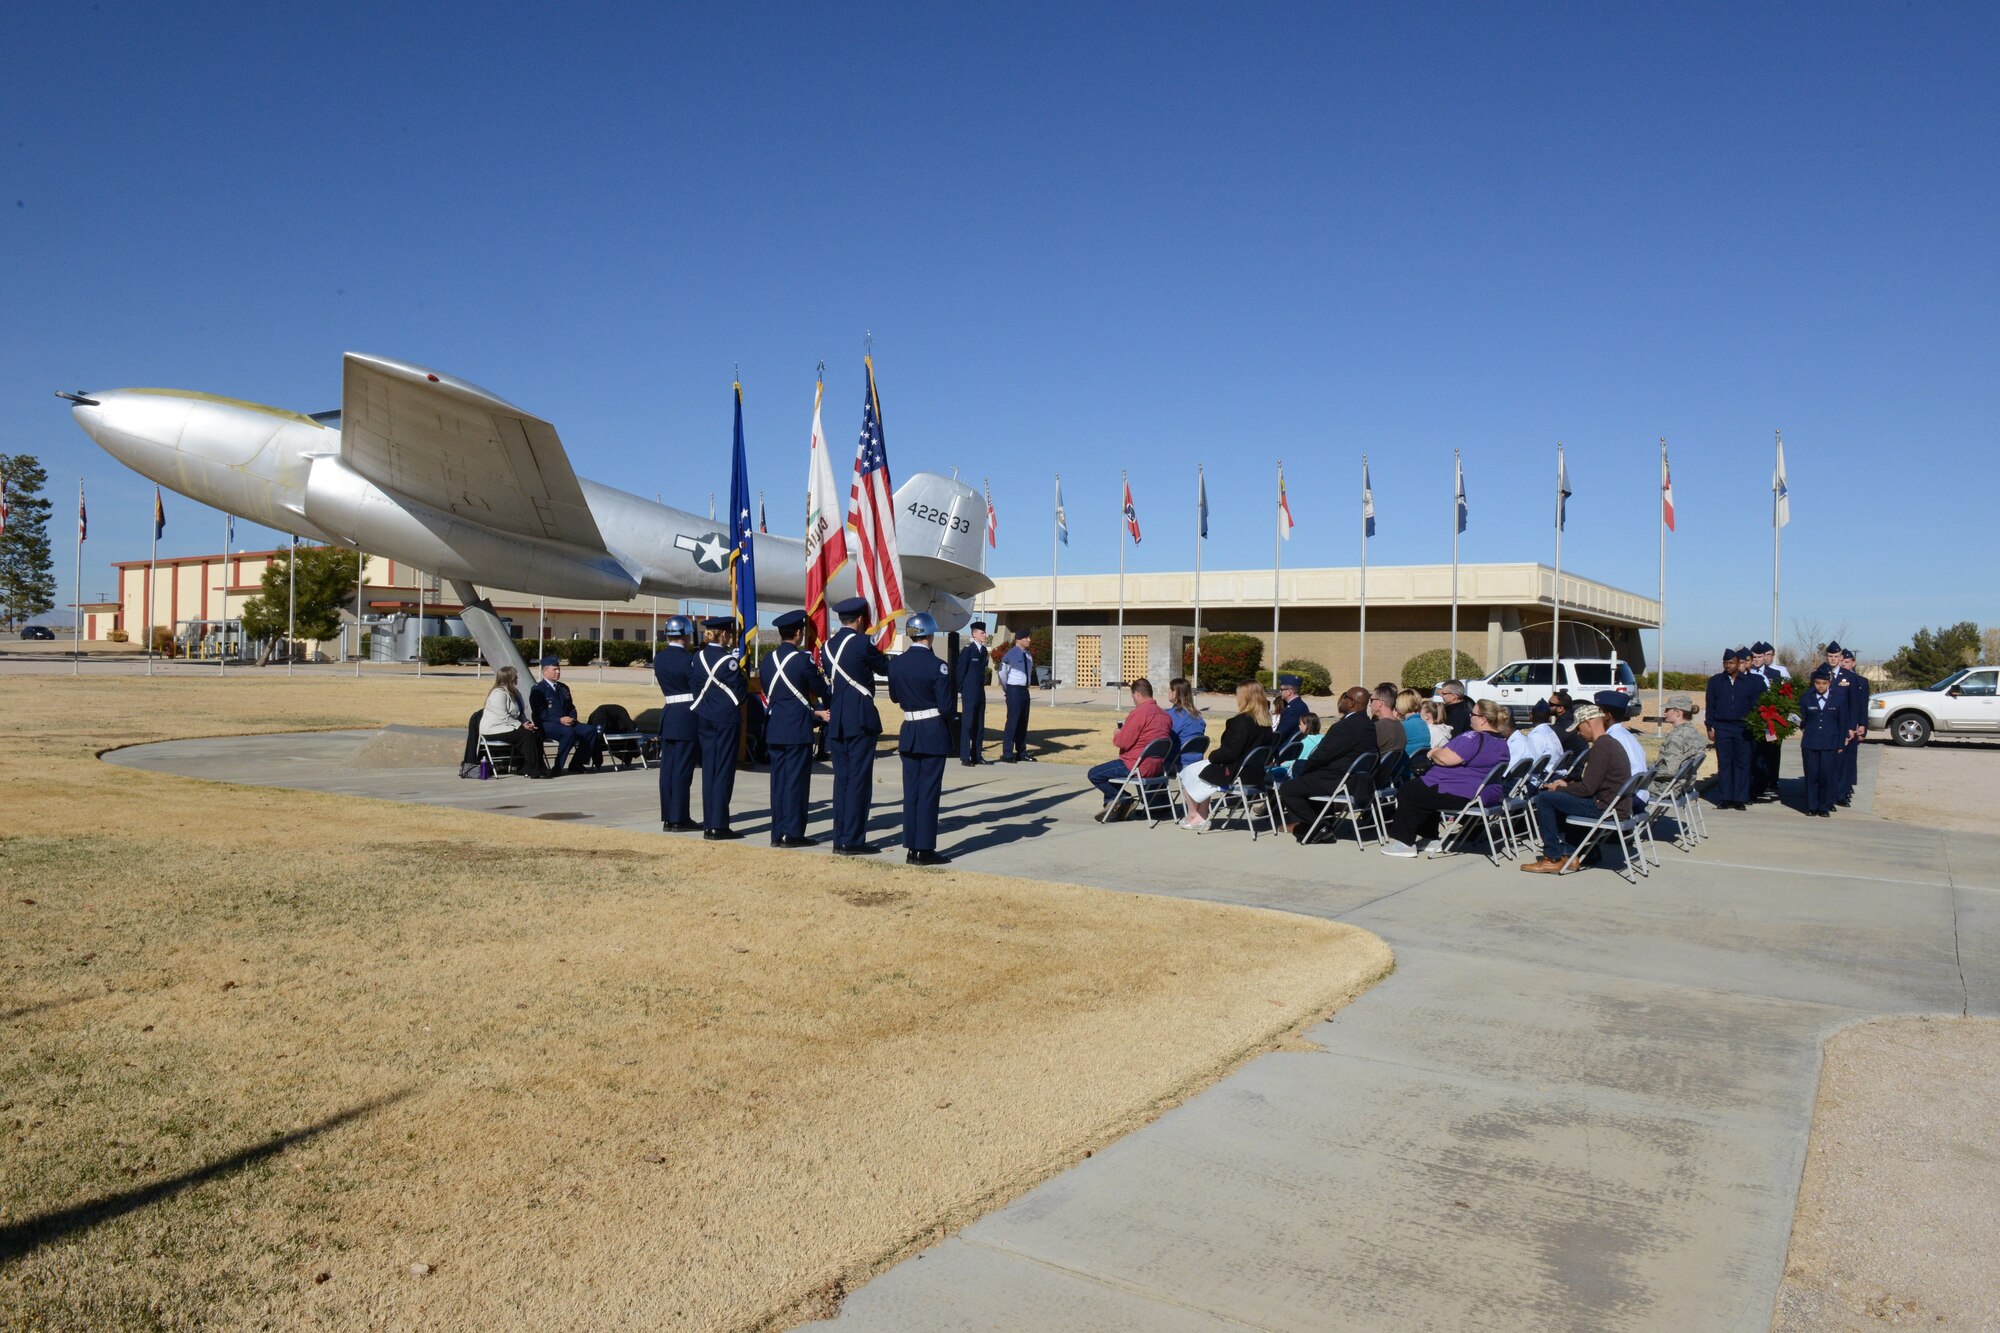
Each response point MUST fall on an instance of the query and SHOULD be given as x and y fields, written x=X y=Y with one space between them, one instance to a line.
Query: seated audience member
x=1309 y=739
x=1188 y=726
x=1616 y=707
x=1290 y=709
x=1416 y=731
x=1433 y=714
x=506 y=722
x=1542 y=739
x=1145 y=724
x=1683 y=742
x=1562 y=718
x=1457 y=709
x=1516 y=737
x=1246 y=731
x=1605 y=769
x=1389 y=734
x=1352 y=736
x=555 y=715
x=1459 y=771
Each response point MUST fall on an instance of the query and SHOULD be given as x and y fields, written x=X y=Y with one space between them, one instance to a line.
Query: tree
x=1931 y=655
x=325 y=588
x=1807 y=650
x=27 y=577
x=1989 y=645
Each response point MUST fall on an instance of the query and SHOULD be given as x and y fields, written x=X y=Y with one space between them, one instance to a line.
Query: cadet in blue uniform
x=674 y=668
x=1017 y=678
x=1822 y=740
x=555 y=713
x=1286 y=725
x=1857 y=721
x=1841 y=687
x=921 y=686
x=1732 y=697
x=796 y=693
x=1764 y=755
x=852 y=663
x=718 y=723
x=970 y=682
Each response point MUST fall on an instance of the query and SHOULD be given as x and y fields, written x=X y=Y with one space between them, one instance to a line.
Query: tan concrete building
x=213 y=588
x=1504 y=613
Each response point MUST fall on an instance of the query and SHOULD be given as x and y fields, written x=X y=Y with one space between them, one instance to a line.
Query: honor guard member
x=1732 y=697
x=1857 y=716
x=718 y=723
x=1823 y=737
x=674 y=668
x=852 y=664
x=1763 y=753
x=971 y=686
x=795 y=692
x=1841 y=686
x=921 y=686
x=1017 y=678
x=1287 y=724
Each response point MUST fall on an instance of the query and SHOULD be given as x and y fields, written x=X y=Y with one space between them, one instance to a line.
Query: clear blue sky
x=1086 y=240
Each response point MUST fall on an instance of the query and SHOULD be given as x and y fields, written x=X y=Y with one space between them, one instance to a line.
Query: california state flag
x=826 y=539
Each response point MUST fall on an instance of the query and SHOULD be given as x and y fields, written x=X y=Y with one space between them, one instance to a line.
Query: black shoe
x=926 y=859
x=794 y=841
x=858 y=849
x=1027 y=759
x=680 y=826
x=1009 y=759
x=719 y=835
x=1844 y=804
x=970 y=763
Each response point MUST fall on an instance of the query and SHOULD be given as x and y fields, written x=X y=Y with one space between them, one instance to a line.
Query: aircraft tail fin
x=941 y=534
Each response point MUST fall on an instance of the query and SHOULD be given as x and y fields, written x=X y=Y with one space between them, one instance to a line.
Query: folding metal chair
x=1516 y=809
x=1354 y=798
x=1248 y=794
x=1633 y=833
x=499 y=757
x=1152 y=794
x=1454 y=826
x=1676 y=797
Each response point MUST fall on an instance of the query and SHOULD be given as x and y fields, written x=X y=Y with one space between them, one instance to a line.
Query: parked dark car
x=41 y=632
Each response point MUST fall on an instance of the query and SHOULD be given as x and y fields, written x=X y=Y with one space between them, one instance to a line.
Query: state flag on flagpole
x=1062 y=515
x=82 y=515
x=826 y=537
x=159 y=514
x=992 y=519
x=871 y=513
x=1367 y=502
x=1779 y=489
x=1666 y=490
x=1562 y=490
x=1459 y=467
x=1201 y=501
x=1285 y=524
x=229 y=534
x=763 y=524
x=1131 y=514
x=3 y=506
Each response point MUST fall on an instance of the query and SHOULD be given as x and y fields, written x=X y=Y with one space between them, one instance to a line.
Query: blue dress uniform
x=1289 y=717
x=718 y=724
x=551 y=702
x=1857 y=716
x=1842 y=690
x=970 y=682
x=921 y=685
x=1016 y=664
x=852 y=664
x=680 y=749
x=1764 y=755
x=793 y=688
x=1731 y=700
x=1822 y=740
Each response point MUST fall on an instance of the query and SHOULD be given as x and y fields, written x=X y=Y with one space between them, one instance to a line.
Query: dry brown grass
x=267 y=1050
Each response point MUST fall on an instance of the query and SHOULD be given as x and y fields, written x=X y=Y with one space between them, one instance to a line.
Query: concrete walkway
x=1577 y=1103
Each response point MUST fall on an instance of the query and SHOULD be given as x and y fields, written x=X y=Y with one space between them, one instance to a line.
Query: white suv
x=1519 y=686
x=1966 y=701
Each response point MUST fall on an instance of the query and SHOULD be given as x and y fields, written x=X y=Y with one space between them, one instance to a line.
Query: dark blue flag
x=742 y=570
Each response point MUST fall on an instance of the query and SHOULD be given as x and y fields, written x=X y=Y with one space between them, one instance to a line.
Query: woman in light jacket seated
x=1458 y=773
x=505 y=722
x=1249 y=729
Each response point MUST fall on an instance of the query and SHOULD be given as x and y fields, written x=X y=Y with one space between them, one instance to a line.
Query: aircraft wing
x=454 y=446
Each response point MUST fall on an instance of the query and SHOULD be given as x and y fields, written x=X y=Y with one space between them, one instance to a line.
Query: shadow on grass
x=39 y=1006
x=19 y=1239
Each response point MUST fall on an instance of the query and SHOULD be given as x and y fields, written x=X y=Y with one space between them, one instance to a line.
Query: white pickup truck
x=1519 y=686
x=1965 y=702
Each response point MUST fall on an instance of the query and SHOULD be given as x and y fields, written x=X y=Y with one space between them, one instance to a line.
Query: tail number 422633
x=932 y=514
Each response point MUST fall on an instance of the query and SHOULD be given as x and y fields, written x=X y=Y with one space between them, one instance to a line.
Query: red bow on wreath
x=1772 y=718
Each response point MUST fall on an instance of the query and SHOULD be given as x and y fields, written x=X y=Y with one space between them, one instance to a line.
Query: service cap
x=550 y=660
x=977 y=624
x=1288 y=681
x=1610 y=702
x=1833 y=648
x=785 y=620
x=719 y=622
x=853 y=606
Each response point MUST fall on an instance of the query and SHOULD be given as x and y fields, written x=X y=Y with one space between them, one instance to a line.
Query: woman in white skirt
x=1250 y=728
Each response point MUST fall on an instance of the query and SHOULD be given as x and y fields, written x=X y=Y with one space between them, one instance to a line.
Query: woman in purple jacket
x=1459 y=771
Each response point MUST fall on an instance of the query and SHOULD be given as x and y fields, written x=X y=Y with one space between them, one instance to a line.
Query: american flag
x=992 y=519
x=1131 y=513
x=1666 y=490
x=871 y=513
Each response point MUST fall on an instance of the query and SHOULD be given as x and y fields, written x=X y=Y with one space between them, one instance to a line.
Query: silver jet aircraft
x=439 y=474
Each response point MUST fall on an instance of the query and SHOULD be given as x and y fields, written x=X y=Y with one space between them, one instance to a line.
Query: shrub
x=1691 y=681
x=1422 y=672
x=1313 y=678
x=163 y=641
x=449 y=649
x=575 y=652
x=117 y=636
x=627 y=652
x=1227 y=660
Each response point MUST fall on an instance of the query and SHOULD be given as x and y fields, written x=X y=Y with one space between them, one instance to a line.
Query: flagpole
x=1055 y=586
x=604 y=652
x=1277 y=563
x=1194 y=684
x=1120 y=645
x=292 y=605
x=360 y=577
x=1361 y=666
x=76 y=660
x=1457 y=482
x=1660 y=669
x=1776 y=529
x=152 y=580
x=420 y=622
x=1555 y=619
x=224 y=631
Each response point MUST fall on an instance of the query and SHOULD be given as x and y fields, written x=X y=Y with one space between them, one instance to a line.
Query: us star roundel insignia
x=711 y=551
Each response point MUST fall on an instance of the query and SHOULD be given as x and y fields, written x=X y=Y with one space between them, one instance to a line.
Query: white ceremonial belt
x=920 y=715
x=680 y=698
